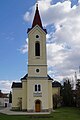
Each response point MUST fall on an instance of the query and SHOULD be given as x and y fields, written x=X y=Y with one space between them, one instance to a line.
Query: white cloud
x=79 y=1
x=24 y=48
x=63 y=45
x=5 y=85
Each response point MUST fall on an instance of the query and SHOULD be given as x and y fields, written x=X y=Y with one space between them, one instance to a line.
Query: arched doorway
x=37 y=106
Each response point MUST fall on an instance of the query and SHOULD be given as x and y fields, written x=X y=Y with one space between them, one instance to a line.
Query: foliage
x=20 y=103
x=0 y=103
x=66 y=93
x=56 y=101
x=78 y=93
x=10 y=97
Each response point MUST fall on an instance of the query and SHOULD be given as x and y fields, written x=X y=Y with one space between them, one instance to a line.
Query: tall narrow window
x=37 y=49
x=37 y=88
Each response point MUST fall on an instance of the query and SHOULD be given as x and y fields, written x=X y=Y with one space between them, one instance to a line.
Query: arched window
x=37 y=88
x=37 y=49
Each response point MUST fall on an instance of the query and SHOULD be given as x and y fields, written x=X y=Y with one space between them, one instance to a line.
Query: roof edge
x=29 y=29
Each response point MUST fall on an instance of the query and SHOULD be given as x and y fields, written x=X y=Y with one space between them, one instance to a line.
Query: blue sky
x=16 y=17
x=12 y=37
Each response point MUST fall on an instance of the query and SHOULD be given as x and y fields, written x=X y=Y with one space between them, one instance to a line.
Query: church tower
x=39 y=84
x=35 y=90
x=37 y=61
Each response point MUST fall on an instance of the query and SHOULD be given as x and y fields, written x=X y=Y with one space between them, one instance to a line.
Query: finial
x=36 y=3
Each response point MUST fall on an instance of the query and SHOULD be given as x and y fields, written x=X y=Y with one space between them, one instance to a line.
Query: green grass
x=59 y=114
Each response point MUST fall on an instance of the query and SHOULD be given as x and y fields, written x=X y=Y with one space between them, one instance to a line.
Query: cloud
x=67 y=35
x=5 y=85
x=9 y=37
x=24 y=48
x=63 y=43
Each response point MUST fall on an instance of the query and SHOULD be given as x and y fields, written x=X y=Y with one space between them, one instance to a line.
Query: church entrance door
x=38 y=106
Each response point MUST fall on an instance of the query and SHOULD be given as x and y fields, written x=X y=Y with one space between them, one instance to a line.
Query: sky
x=61 y=18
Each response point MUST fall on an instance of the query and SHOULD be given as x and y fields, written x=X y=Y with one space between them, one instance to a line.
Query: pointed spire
x=37 y=19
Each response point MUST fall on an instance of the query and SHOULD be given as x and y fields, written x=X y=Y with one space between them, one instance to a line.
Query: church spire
x=37 y=19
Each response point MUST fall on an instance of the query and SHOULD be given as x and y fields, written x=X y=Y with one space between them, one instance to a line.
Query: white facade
x=4 y=102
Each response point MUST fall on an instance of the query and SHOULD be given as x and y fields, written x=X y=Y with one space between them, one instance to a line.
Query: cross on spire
x=37 y=19
x=36 y=3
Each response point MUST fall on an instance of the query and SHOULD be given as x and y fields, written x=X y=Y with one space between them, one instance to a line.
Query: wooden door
x=37 y=106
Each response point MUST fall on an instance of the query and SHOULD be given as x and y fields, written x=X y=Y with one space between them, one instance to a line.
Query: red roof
x=37 y=20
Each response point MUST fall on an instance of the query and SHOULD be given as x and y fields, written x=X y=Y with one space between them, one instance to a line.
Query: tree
x=57 y=99
x=20 y=103
x=66 y=93
x=78 y=93
x=10 y=97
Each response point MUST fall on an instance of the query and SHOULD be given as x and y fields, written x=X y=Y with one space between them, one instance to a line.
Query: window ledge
x=37 y=57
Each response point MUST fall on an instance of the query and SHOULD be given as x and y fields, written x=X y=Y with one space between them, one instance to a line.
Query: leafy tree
x=66 y=93
x=57 y=99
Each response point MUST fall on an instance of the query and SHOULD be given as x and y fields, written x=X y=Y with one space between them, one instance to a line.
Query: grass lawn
x=59 y=114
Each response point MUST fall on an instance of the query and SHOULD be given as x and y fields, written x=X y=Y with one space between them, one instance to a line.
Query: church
x=34 y=92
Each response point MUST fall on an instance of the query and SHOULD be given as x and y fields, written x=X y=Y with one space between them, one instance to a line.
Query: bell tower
x=37 y=61
x=39 y=84
x=34 y=92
